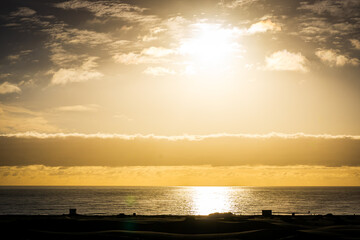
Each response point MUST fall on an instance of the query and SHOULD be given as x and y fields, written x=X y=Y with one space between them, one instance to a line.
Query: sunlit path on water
x=206 y=200
x=178 y=200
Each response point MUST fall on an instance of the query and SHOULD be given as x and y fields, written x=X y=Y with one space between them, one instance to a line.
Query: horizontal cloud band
x=150 y=150
x=191 y=137
x=181 y=175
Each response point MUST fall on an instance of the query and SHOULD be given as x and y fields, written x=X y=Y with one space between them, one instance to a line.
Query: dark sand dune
x=180 y=227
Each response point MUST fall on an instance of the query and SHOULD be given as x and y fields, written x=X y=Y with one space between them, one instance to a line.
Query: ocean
x=178 y=200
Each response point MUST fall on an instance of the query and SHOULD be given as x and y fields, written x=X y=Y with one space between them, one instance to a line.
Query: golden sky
x=246 y=92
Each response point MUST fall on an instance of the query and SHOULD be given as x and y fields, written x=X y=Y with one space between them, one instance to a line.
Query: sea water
x=178 y=200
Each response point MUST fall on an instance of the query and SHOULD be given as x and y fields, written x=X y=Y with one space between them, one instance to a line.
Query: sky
x=207 y=92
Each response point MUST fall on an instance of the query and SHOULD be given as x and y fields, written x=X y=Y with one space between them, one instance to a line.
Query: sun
x=210 y=45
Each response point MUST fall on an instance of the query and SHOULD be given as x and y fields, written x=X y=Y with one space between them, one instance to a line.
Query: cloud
x=20 y=119
x=63 y=42
x=106 y=8
x=16 y=57
x=180 y=176
x=176 y=27
x=132 y=58
x=61 y=57
x=69 y=46
x=4 y=75
x=333 y=7
x=79 y=108
x=7 y=87
x=147 y=55
x=275 y=149
x=323 y=29
x=334 y=58
x=153 y=32
x=83 y=73
x=181 y=137
x=235 y=3
x=74 y=36
x=355 y=43
x=159 y=71
x=157 y=51
x=329 y=21
x=286 y=61
x=27 y=83
x=28 y=19
x=321 y=7
x=23 y=12
x=263 y=26
x=77 y=36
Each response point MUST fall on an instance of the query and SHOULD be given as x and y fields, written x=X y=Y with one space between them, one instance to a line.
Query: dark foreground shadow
x=179 y=227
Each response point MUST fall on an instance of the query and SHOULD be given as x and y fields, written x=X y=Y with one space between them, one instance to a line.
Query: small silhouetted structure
x=293 y=214
x=72 y=212
x=121 y=215
x=134 y=214
x=267 y=213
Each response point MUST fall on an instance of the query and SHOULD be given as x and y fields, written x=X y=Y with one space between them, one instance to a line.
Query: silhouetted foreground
x=180 y=227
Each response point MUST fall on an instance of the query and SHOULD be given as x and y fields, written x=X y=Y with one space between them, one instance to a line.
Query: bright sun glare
x=209 y=45
x=208 y=200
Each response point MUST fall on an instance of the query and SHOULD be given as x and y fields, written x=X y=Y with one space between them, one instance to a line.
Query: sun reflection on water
x=206 y=200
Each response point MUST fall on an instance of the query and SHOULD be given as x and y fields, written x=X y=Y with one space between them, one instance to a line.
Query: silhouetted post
x=72 y=211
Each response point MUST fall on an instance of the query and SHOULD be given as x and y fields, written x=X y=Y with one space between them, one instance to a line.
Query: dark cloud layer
x=217 y=151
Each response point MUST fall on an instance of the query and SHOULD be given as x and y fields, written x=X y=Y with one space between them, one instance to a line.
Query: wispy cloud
x=76 y=36
x=329 y=22
x=107 y=8
x=264 y=26
x=60 y=57
x=79 y=108
x=147 y=55
x=355 y=43
x=23 y=12
x=334 y=58
x=286 y=61
x=235 y=3
x=159 y=71
x=7 y=87
x=83 y=73
x=321 y=29
x=16 y=57
x=333 y=7
x=20 y=119
x=157 y=51
x=4 y=75
x=153 y=34
x=133 y=58
x=62 y=36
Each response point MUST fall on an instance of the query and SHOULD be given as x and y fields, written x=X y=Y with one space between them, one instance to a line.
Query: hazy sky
x=240 y=79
